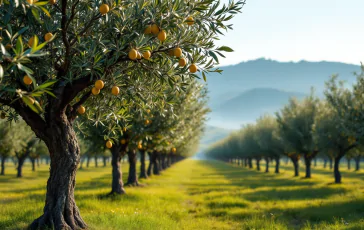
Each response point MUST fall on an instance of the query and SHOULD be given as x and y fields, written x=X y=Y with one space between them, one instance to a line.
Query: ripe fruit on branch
x=108 y=144
x=147 y=122
x=48 y=36
x=123 y=141
x=27 y=80
x=104 y=9
x=193 y=68
x=155 y=29
x=182 y=62
x=133 y=54
x=146 y=54
x=95 y=91
x=190 y=21
x=99 y=84
x=31 y=41
x=52 y=2
x=162 y=36
x=148 y=30
x=115 y=90
x=177 y=52
x=174 y=150
x=30 y=1
x=81 y=110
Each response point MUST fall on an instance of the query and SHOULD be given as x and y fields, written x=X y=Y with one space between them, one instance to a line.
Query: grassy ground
x=197 y=195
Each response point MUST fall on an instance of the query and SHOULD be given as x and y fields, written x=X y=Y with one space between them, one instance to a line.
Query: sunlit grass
x=197 y=195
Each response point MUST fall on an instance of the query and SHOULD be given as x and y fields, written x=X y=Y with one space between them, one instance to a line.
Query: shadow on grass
x=293 y=194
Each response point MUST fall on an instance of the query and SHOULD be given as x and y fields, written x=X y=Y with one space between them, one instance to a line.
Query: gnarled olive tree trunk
x=266 y=164
x=61 y=211
x=132 y=177
x=117 y=186
x=357 y=163
x=308 y=161
x=294 y=160
x=258 y=163
x=3 y=159
x=143 y=171
x=277 y=164
x=156 y=165
x=150 y=166
x=250 y=162
x=33 y=164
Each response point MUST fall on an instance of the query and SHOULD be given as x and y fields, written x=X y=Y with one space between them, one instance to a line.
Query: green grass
x=197 y=195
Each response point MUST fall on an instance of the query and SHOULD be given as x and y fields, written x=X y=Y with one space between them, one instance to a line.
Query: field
x=197 y=195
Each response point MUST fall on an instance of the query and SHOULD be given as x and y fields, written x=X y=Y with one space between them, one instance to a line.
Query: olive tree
x=52 y=53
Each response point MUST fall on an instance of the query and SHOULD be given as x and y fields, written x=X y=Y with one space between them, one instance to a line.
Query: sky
x=294 y=30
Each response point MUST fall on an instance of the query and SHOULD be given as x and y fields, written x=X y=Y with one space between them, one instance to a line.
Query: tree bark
x=3 y=159
x=143 y=171
x=277 y=164
x=266 y=164
x=250 y=162
x=19 y=168
x=357 y=163
x=61 y=211
x=132 y=177
x=149 y=172
x=308 y=161
x=88 y=162
x=163 y=161
x=33 y=164
x=258 y=164
x=117 y=186
x=104 y=159
x=337 y=173
x=96 y=165
x=296 y=166
x=155 y=159
x=331 y=162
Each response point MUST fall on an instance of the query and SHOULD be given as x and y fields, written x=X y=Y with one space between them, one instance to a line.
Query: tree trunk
x=33 y=164
x=308 y=166
x=357 y=163
x=20 y=167
x=245 y=162
x=337 y=173
x=155 y=158
x=150 y=163
x=3 y=165
x=163 y=161
x=104 y=159
x=96 y=165
x=88 y=162
x=132 y=177
x=143 y=172
x=250 y=162
x=81 y=163
x=349 y=163
x=277 y=164
x=331 y=161
x=168 y=164
x=61 y=211
x=296 y=166
x=258 y=164
x=117 y=186
x=325 y=163
x=266 y=164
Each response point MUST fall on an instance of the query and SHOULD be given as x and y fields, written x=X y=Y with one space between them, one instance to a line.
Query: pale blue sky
x=292 y=30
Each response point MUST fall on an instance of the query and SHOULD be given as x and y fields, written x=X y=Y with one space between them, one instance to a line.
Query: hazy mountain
x=212 y=135
x=285 y=76
x=247 y=90
x=251 y=104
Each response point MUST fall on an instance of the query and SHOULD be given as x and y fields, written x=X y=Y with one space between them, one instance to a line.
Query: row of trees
x=110 y=63
x=303 y=130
